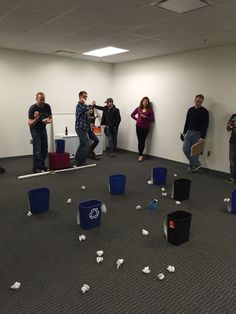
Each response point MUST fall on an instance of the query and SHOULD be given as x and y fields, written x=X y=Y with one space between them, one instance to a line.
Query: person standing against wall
x=39 y=115
x=82 y=126
x=195 y=130
x=231 y=126
x=111 y=119
x=144 y=116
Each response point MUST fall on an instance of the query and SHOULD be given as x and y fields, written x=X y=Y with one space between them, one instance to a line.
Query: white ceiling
x=46 y=26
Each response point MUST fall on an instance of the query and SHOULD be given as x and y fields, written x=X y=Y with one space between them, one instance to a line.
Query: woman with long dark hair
x=144 y=116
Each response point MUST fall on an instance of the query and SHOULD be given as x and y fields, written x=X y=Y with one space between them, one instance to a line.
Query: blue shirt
x=81 y=117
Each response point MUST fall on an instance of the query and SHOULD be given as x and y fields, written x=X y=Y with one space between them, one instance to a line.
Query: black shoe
x=2 y=170
x=195 y=168
x=80 y=163
x=95 y=158
x=36 y=170
x=44 y=169
x=230 y=180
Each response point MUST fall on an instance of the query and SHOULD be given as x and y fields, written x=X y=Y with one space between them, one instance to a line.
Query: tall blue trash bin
x=39 y=200
x=117 y=184
x=60 y=146
x=90 y=214
x=233 y=202
x=159 y=175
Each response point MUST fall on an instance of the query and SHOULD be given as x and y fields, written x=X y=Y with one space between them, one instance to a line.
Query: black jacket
x=110 y=117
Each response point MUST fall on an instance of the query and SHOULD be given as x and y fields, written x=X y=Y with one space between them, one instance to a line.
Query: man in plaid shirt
x=82 y=126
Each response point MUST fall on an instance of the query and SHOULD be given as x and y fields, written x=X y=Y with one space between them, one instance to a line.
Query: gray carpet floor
x=44 y=254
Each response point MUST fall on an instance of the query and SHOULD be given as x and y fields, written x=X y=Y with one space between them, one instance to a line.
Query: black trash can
x=181 y=189
x=178 y=227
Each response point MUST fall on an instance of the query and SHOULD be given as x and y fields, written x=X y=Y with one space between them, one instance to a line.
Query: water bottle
x=66 y=131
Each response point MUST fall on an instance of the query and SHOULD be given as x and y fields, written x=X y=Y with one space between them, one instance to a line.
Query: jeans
x=190 y=139
x=93 y=138
x=232 y=160
x=111 y=133
x=82 y=151
x=141 y=134
x=40 y=147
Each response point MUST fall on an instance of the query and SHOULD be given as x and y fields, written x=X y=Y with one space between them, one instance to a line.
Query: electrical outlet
x=208 y=153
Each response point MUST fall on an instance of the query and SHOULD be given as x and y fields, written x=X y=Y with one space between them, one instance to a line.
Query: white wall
x=23 y=74
x=171 y=82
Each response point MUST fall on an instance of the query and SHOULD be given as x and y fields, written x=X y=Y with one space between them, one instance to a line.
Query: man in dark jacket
x=111 y=119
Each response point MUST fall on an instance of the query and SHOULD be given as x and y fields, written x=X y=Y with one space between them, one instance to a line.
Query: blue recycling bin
x=159 y=175
x=39 y=200
x=60 y=146
x=117 y=184
x=90 y=214
x=233 y=202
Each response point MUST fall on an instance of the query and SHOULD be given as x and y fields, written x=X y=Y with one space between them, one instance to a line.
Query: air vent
x=182 y=6
x=64 y=53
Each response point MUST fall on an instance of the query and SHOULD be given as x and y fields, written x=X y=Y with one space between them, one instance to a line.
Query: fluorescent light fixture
x=104 y=52
x=182 y=6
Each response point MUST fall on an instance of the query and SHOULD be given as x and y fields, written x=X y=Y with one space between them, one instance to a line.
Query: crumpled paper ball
x=145 y=232
x=100 y=253
x=177 y=202
x=16 y=285
x=119 y=262
x=163 y=189
x=146 y=270
x=164 y=194
x=103 y=208
x=29 y=213
x=138 y=207
x=69 y=201
x=175 y=175
x=99 y=259
x=83 y=187
x=82 y=237
x=150 y=182
x=161 y=276
x=171 y=269
x=226 y=200
x=85 y=288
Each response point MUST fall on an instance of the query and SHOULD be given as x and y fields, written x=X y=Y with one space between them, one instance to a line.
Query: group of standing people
x=195 y=130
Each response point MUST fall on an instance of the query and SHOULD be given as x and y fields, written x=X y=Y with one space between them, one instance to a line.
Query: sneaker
x=230 y=180
x=140 y=158
x=2 y=170
x=195 y=168
x=35 y=170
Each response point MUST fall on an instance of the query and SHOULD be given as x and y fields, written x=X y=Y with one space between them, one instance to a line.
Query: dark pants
x=111 y=133
x=93 y=138
x=142 y=135
x=82 y=151
x=232 y=160
x=40 y=147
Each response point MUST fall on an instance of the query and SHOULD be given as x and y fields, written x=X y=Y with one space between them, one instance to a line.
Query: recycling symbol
x=94 y=213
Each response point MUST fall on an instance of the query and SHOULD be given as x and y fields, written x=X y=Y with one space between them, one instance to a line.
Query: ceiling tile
x=96 y=11
x=20 y=19
x=139 y=17
x=88 y=34
x=52 y=7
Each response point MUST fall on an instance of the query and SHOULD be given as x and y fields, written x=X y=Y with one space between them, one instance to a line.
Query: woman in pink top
x=144 y=116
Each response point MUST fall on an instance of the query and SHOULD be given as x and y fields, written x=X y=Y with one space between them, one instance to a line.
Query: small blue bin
x=233 y=202
x=117 y=184
x=60 y=146
x=90 y=214
x=39 y=200
x=159 y=175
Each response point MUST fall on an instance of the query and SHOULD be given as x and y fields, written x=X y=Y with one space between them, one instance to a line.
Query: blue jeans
x=111 y=133
x=93 y=138
x=232 y=160
x=82 y=151
x=190 y=139
x=40 y=147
